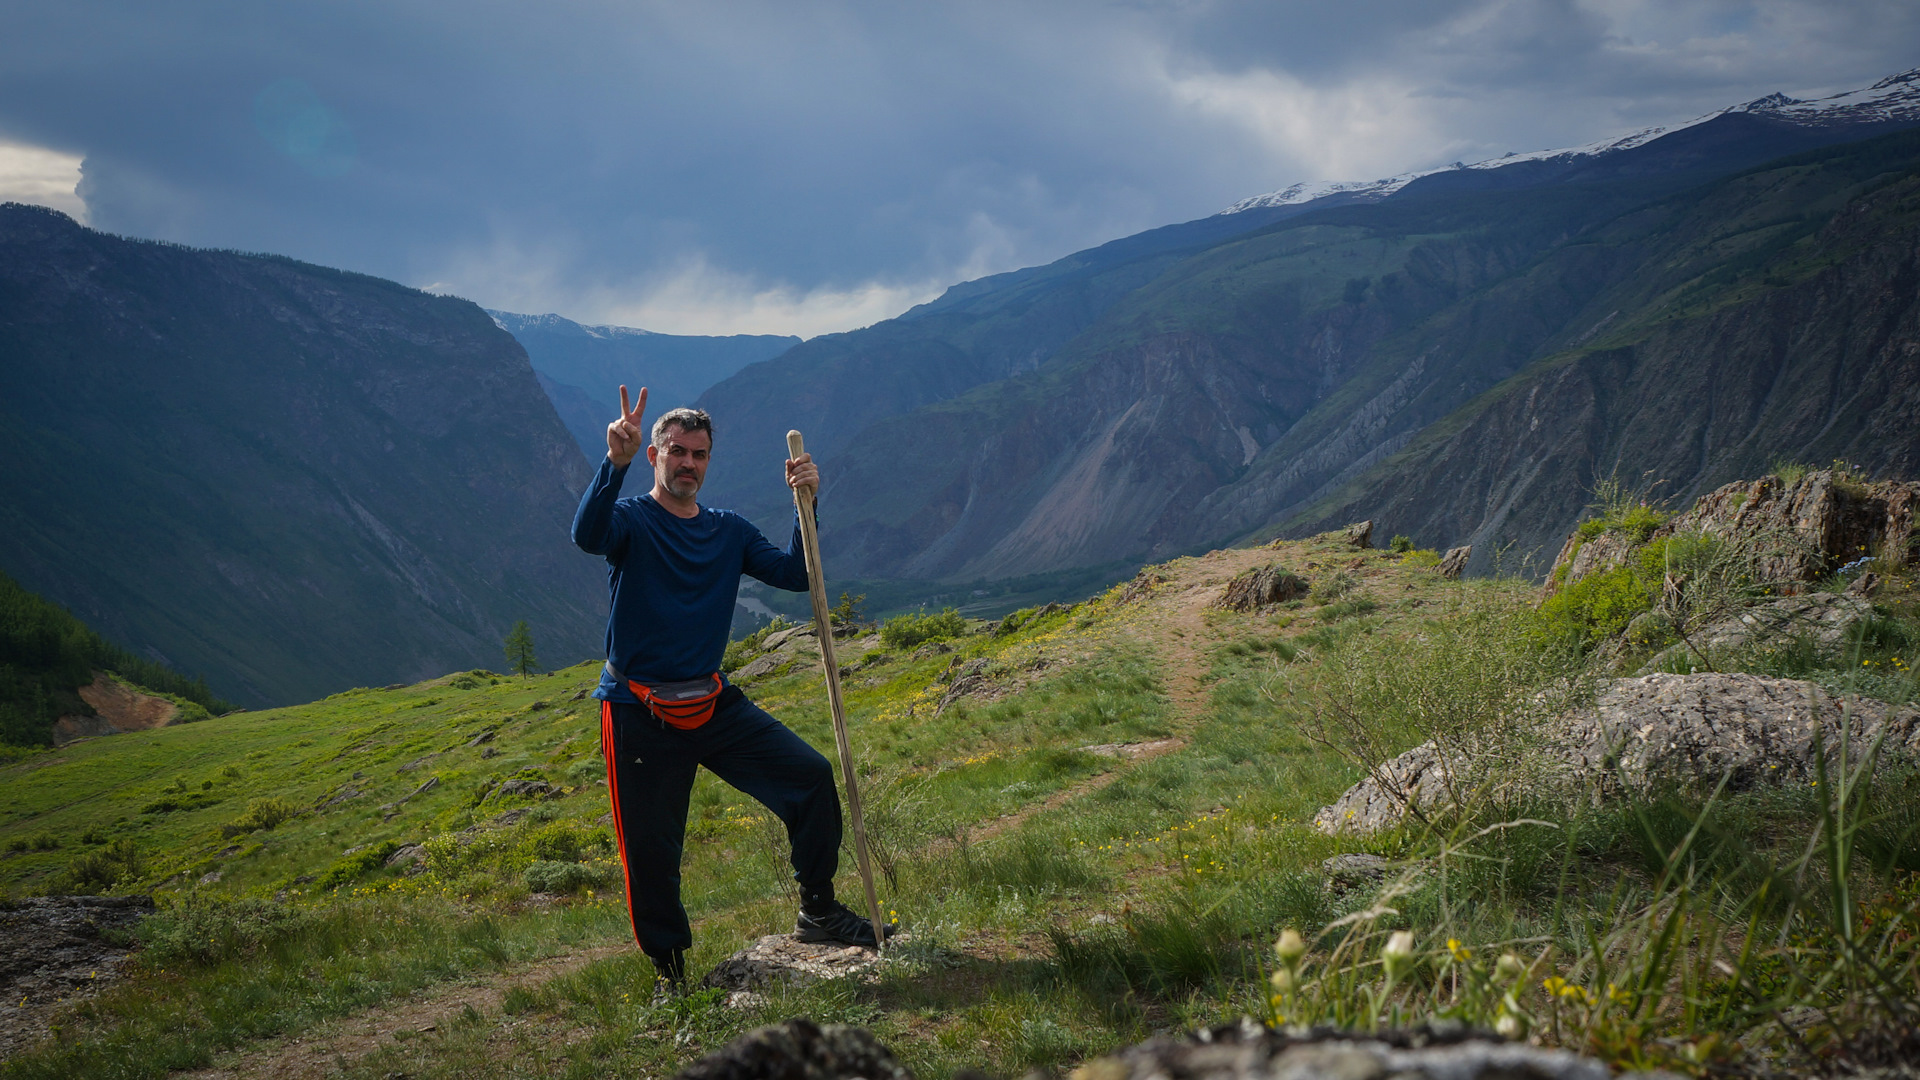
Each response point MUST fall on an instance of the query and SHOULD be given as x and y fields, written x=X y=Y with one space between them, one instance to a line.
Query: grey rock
x=531 y=789
x=412 y=856
x=1454 y=562
x=799 y=1049
x=1261 y=588
x=54 y=949
x=1355 y=869
x=1825 y=617
x=1658 y=731
x=482 y=738
x=1865 y=585
x=780 y=959
x=1416 y=780
x=1247 y=1051
x=1359 y=534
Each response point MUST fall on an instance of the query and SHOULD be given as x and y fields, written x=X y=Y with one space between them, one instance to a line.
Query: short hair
x=687 y=420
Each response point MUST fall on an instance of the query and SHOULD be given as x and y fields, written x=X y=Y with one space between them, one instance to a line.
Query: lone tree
x=520 y=658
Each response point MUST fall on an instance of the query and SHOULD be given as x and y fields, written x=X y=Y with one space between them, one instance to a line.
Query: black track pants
x=650 y=769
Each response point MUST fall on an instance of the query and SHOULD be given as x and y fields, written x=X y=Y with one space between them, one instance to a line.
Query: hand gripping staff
x=823 y=629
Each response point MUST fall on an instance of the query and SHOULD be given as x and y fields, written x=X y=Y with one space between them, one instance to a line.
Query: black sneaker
x=839 y=923
x=670 y=973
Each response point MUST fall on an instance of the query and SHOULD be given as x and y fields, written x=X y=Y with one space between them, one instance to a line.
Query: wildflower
x=1510 y=967
x=1291 y=946
x=1398 y=953
x=1284 y=980
x=1508 y=1026
x=1553 y=985
x=1459 y=952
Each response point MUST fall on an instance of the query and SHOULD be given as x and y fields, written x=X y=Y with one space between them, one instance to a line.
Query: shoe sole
x=822 y=937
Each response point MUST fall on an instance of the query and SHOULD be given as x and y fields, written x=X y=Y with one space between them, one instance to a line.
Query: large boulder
x=782 y=959
x=1654 y=732
x=1261 y=588
x=54 y=949
x=801 y=1050
x=1831 y=518
x=1797 y=532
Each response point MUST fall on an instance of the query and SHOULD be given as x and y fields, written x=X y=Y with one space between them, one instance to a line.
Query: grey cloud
x=592 y=148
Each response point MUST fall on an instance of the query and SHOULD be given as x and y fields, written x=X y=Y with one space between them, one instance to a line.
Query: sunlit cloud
x=43 y=177
x=704 y=299
x=1358 y=129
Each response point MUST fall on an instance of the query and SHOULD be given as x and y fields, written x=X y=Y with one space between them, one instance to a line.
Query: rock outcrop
x=1830 y=517
x=54 y=948
x=1261 y=588
x=801 y=1050
x=1454 y=562
x=781 y=959
x=1824 y=618
x=1794 y=532
x=1657 y=731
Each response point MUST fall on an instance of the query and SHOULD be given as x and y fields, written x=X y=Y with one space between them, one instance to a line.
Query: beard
x=685 y=485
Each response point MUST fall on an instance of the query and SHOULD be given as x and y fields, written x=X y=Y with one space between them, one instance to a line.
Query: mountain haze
x=581 y=368
x=288 y=479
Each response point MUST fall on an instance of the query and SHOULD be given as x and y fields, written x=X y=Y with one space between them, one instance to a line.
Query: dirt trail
x=1172 y=622
x=322 y=1050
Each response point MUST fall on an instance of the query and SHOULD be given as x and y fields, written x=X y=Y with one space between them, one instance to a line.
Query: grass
x=1148 y=900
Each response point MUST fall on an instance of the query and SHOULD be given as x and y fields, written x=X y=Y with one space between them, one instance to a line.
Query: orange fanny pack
x=684 y=705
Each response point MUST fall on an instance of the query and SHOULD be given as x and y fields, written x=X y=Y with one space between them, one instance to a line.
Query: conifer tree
x=520 y=658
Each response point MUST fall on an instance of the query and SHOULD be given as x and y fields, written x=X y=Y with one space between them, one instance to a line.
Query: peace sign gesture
x=623 y=435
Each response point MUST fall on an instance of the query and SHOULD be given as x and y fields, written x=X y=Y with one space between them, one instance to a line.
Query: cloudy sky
x=802 y=167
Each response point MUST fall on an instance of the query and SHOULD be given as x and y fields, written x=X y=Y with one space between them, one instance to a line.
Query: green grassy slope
x=1062 y=900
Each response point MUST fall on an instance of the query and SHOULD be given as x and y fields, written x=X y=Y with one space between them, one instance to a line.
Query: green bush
x=265 y=813
x=1400 y=545
x=1601 y=605
x=908 y=631
x=351 y=868
x=98 y=871
x=560 y=877
x=208 y=930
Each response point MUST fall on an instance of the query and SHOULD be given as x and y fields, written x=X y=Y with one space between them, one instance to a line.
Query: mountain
x=1228 y=377
x=287 y=479
x=582 y=367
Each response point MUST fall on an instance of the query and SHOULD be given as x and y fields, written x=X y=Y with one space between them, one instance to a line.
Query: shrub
x=560 y=877
x=563 y=841
x=1400 y=545
x=350 y=868
x=1422 y=558
x=98 y=871
x=208 y=930
x=907 y=631
x=265 y=813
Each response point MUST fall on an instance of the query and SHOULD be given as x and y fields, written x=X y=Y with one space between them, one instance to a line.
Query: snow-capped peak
x=1894 y=98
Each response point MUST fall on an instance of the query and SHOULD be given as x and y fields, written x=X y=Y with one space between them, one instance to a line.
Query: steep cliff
x=288 y=479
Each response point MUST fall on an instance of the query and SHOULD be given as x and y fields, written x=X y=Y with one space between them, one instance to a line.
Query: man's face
x=681 y=467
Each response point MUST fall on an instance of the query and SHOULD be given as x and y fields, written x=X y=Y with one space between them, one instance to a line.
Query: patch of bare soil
x=335 y=1045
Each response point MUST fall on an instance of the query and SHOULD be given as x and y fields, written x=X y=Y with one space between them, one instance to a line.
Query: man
x=674 y=570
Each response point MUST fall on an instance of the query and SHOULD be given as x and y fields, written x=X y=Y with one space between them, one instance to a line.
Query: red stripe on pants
x=613 y=798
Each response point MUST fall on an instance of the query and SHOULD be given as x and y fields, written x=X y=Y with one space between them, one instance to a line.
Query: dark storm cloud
x=734 y=165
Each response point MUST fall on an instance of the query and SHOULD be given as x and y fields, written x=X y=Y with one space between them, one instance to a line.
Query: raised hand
x=624 y=438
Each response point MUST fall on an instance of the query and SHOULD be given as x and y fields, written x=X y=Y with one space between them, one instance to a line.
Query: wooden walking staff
x=823 y=629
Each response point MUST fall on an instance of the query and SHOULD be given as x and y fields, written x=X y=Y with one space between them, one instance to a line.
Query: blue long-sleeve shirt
x=673 y=580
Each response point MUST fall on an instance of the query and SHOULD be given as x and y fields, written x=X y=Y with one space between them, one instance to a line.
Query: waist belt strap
x=685 y=705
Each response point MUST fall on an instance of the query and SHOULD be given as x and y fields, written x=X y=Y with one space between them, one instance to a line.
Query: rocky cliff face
x=290 y=479
x=1803 y=344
